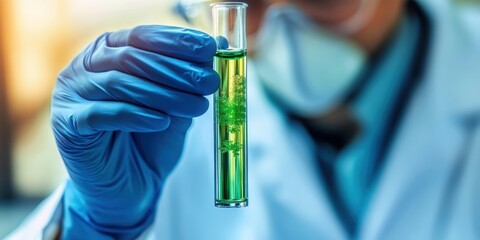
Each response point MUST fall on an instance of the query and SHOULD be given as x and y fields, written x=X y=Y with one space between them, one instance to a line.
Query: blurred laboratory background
x=37 y=39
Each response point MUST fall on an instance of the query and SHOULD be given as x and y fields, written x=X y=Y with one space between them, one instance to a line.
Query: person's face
x=333 y=14
x=324 y=12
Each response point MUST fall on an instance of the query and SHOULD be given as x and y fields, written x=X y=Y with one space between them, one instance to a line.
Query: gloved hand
x=120 y=112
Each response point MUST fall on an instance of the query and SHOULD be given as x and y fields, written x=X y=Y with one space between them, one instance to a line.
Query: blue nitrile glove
x=120 y=112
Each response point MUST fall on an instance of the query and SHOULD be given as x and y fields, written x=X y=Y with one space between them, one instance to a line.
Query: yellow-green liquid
x=231 y=129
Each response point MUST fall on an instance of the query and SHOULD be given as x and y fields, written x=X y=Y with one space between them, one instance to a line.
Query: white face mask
x=306 y=69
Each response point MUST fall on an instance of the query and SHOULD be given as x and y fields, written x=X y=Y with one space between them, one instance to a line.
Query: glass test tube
x=230 y=114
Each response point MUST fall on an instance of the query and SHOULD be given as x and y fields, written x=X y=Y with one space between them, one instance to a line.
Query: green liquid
x=231 y=130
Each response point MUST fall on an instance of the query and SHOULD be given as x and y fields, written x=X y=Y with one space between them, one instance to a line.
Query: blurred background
x=37 y=39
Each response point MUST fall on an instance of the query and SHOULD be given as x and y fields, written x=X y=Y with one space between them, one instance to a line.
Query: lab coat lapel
x=406 y=201
x=415 y=173
x=289 y=174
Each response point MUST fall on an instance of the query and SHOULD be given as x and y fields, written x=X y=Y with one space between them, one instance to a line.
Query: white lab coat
x=416 y=196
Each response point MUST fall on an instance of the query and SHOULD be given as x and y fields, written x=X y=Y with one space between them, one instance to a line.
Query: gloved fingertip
x=199 y=108
x=204 y=107
x=180 y=124
x=209 y=81
x=162 y=123
x=222 y=43
x=143 y=120
x=196 y=46
x=118 y=38
x=208 y=47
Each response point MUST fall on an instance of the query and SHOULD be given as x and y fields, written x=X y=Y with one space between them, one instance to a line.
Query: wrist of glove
x=84 y=221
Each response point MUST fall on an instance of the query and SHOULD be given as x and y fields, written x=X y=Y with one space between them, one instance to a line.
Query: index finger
x=176 y=42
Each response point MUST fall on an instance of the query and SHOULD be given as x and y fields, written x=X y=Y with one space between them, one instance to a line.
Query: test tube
x=230 y=101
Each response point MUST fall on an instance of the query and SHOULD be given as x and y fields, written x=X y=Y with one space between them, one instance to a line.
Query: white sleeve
x=44 y=223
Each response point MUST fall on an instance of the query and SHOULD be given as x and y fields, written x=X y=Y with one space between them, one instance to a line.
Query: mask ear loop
x=359 y=19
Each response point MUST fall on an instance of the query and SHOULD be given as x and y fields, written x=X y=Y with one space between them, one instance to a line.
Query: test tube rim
x=229 y=5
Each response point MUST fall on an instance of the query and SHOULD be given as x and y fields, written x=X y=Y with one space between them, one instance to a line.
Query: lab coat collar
x=431 y=134
x=453 y=69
